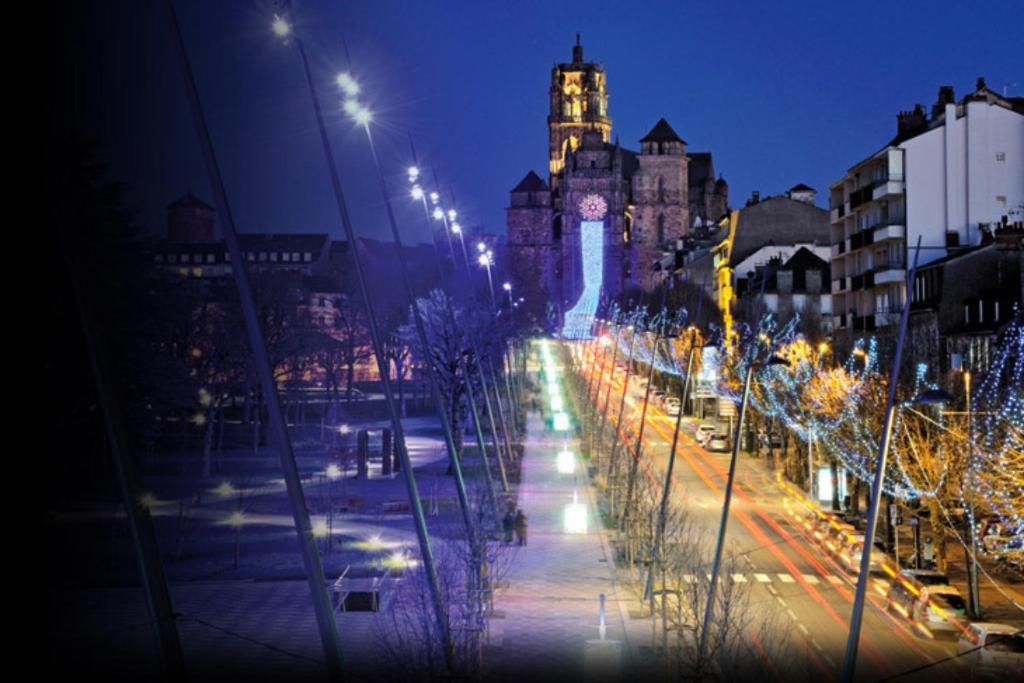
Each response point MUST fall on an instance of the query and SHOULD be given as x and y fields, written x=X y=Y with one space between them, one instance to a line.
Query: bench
x=375 y=592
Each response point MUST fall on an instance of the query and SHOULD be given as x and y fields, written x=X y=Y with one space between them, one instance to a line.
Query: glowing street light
x=456 y=228
x=281 y=28
x=417 y=192
x=438 y=213
x=348 y=84
x=434 y=198
x=333 y=471
x=452 y=214
x=481 y=247
x=414 y=172
x=507 y=286
x=484 y=260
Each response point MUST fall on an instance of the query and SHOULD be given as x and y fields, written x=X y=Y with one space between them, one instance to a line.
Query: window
x=263 y=256
x=184 y=258
x=159 y=258
x=995 y=317
x=172 y=258
x=307 y=257
x=197 y=258
x=1001 y=200
x=1000 y=156
x=273 y=257
x=285 y=256
x=210 y=258
x=295 y=256
x=967 y=314
x=981 y=311
x=661 y=228
x=251 y=256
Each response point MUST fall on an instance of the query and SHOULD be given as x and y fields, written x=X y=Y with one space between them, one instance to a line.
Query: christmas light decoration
x=581 y=316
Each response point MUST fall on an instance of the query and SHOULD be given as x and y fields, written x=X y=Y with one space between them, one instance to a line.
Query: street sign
x=726 y=408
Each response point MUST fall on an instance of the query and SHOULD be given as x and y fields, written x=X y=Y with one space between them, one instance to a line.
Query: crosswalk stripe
x=832 y=578
x=763 y=578
x=739 y=578
x=786 y=578
x=810 y=578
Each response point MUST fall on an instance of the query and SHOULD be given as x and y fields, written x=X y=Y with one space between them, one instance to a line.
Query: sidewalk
x=550 y=608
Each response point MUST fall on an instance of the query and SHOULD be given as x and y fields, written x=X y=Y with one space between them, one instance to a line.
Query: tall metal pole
x=853 y=638
x=421 y=526
x=973 y=592
x=622 y=405
x=709 y=607
x=483 y=383
x=635 y=464
x=307 y=542
x=605 y=418
x=659 y=536
x=140 y=524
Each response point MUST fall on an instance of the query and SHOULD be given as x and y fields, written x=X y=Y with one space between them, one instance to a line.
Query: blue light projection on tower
x=580 y=318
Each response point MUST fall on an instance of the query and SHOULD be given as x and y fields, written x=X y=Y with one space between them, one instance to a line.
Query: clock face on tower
x=593 y=207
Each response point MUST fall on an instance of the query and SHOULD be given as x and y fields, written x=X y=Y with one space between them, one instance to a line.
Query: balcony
x=838 y=248
x=889 y=273
x=838 y=285
x=889 y=186
x=891 y=231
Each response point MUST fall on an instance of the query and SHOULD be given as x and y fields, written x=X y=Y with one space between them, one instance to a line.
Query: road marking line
x=786 y=578
x=804 y=629
x=817 y=645
x=811 y=578
x=763 y=578
x=832 y=578
x=739 y=578
x=792 y=614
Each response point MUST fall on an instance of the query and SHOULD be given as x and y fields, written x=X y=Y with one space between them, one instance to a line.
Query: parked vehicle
x=925 y=597
x=987 y=645
x=775 y=439
x=703 y=431
x=718 y=443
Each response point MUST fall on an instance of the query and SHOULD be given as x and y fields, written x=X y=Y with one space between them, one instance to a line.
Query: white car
x=993 y=646
x=718 y=443
x=703 y=432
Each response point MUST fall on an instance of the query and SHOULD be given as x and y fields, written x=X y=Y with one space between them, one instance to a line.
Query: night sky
x=781 y=93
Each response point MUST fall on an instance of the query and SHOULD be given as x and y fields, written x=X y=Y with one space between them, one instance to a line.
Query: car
x=925 y=597
x=673 y=409
x=988 y=645
x=775 y=439
x=719 y=443
x=703 y=431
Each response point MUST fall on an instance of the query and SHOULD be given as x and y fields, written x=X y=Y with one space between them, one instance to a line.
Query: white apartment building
x=946 y=177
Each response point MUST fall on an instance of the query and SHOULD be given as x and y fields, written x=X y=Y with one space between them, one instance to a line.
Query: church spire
x=577 y=51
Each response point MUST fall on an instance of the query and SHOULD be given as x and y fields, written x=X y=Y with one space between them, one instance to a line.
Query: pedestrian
x=520 y=527
x=508 y=525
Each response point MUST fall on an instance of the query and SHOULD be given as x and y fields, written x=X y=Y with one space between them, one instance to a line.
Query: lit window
x=285 y=256
x=295 y=257
x=273 y=257
x=263 y=256
x=981 y=311
x=307 y=257
x=996 y=318
x=251 y=256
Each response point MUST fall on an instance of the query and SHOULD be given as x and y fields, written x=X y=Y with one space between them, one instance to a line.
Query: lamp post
x=312 y=564
x=716 y=565
x=856 y=616
x=973 y=592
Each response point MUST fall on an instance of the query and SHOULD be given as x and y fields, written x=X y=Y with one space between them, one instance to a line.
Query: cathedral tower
x=660 y=197
x=579 y=103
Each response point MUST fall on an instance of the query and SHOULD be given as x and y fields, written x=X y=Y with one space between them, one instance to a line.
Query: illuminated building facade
x=625 y=209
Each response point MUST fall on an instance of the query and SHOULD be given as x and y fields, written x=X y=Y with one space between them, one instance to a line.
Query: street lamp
x=773 y=360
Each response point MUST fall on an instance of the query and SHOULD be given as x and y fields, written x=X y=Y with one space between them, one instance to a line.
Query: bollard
x=362 y=454
x=385 y=452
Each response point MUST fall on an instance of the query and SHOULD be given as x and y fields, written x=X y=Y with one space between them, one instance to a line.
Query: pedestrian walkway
x=550 y=609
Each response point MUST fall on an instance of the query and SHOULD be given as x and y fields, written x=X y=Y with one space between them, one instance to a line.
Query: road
x=790 y=572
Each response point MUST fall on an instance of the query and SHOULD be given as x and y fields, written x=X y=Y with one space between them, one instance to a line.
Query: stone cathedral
x=608 y=218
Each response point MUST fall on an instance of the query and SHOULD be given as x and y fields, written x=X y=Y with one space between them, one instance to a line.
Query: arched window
x=661 y=228
x=661 y=189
